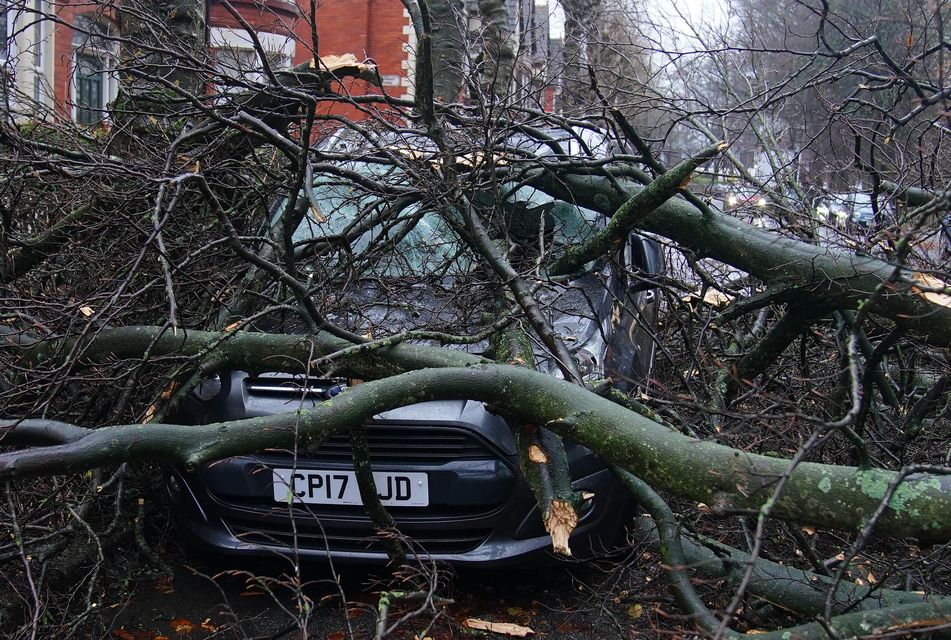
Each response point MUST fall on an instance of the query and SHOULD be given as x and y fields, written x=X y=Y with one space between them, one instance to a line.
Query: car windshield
x=417 y=242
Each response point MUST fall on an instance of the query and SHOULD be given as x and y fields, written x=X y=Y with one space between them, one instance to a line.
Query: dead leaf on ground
x=505 y=628
x=635 y=611
x=165 y=585
x=181 y=625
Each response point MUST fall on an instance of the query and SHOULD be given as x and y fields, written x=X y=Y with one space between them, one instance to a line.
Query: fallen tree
x=727 y=479
x=189 y=263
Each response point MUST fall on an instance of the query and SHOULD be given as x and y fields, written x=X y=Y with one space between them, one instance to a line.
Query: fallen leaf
x=505 y=628
x=86 y=311
x=164 y=585
x=635 y=611
x=181 y=625
x=122 y=634
x=336 y=635
x=150 y=413
x=207 y=626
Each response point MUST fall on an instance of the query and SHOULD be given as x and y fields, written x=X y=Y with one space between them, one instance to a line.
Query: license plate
x=314 y=486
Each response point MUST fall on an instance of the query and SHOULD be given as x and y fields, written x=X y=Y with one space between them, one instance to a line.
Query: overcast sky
x=702 y=11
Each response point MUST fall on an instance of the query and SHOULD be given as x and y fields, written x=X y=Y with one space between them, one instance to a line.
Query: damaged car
x=447 y=471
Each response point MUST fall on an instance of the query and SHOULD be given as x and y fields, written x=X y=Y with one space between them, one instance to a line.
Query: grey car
x=448 y=470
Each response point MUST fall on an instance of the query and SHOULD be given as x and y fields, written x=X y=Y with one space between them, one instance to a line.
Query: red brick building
x=66 y=68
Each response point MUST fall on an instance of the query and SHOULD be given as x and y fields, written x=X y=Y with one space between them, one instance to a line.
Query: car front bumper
x=352 y=540
x=480 y=512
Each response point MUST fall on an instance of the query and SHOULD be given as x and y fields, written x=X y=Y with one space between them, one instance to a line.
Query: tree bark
x=448 y=48
x=825 y=273
x=498 y=49
x=726 y=479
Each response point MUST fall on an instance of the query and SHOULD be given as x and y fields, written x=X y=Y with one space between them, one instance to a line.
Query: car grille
x=310 y=535
x=402 y=443
x=396 y=445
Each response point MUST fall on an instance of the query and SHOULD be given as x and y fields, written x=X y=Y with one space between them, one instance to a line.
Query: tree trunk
x=448 y=47
x=498 y=49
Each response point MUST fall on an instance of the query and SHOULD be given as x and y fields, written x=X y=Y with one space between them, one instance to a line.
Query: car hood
x=577 y=310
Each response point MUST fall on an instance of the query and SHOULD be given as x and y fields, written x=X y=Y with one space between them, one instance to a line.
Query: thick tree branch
x=826 y=273
x=541 y=453
x=795 y=590
x=727 y=479
x=239 y=350
x=627 y=216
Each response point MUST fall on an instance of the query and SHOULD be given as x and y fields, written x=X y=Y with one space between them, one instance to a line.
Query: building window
x=94 y=80
x=90 y=94
x=26 y=57
x=237 y=62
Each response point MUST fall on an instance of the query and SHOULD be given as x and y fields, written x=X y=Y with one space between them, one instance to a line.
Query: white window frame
x=107 y=56
x=26 y=59
x=39 y=58
x=239 y=40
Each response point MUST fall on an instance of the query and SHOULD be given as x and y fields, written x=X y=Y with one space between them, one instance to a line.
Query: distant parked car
x=738 y=196
x=850 y=209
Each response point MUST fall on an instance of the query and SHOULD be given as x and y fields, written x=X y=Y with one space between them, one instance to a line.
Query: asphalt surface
x=214 y=597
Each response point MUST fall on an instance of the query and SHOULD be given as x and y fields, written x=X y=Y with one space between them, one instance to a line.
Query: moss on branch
x=727 y=479
x=825 y=273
